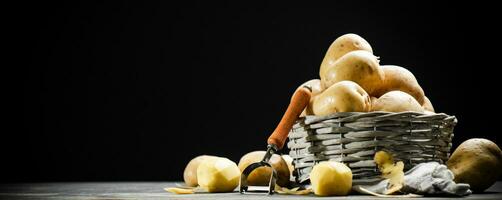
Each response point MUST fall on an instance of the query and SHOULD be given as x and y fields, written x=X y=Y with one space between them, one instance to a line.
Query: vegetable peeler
x=299 y=101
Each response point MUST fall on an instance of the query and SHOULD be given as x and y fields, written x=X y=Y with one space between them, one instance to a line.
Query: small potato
x=397 y=101
x=344 y=96
x=261 y=176
x=341 y=46
x=427 y=105
x=190 y=173
x=477 y=162
x=358 y=66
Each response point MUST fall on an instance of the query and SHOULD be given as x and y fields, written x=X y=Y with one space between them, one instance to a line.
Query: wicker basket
x=353 y=138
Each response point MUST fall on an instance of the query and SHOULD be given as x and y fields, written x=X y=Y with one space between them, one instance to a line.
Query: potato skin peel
x=390 y=170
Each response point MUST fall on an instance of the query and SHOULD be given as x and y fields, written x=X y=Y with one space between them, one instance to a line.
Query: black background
x=134 y=90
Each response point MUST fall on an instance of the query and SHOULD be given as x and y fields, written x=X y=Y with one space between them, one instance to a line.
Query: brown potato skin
x=341 y=46
x=427 y=105
x=358 y=66
x=399 y=78
x=344 y=96
x=477 y=162
x=396 y=101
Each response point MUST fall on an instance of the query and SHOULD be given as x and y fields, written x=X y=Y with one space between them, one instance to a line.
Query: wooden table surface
x=154 y=190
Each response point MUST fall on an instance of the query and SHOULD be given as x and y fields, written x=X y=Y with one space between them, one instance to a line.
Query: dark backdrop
x=134 y=90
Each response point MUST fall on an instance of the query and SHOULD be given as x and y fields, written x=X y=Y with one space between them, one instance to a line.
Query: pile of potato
x=219 y=174
x=352 y=80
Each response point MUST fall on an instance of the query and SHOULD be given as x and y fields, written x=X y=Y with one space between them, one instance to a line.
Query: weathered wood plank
x=152 y=190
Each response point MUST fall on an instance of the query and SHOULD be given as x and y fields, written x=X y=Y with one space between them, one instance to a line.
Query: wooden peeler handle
x=299 y=101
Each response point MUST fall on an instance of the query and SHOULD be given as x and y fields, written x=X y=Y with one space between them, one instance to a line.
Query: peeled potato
x=427 y=105
x=344 y=96
x=261 y=176
x=359 y=66
x=331 y=178
x=190 y=173
x=399 y=78
x=477 y=162
x=218 y=175
x=315 y=85
x=341 y=46
x=396 y=101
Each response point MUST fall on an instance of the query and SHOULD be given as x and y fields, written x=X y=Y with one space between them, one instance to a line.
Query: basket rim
x=349 y=116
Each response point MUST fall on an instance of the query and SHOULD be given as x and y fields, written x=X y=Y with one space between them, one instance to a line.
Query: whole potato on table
x=477 y=162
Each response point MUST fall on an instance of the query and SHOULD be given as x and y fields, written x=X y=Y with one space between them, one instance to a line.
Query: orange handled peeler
x=276 y=141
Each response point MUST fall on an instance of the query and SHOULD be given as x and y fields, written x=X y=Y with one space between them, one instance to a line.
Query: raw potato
x=289 y=162
x=309 y=110
x=397 y=101
x=359 y=66
x=373 y=101
x=341 y=46
x=190 y=173
x=261 y=176
x=477 y=162
x=218 y=175
x=315 y=85
x=399 y=78
x=344 y=96
x=331 y=178
x=427 y=105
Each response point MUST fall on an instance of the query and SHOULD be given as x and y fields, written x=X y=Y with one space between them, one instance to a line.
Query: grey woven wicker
x=353 y=138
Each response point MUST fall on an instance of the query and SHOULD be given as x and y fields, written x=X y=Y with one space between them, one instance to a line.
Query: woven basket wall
x=354 y=138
